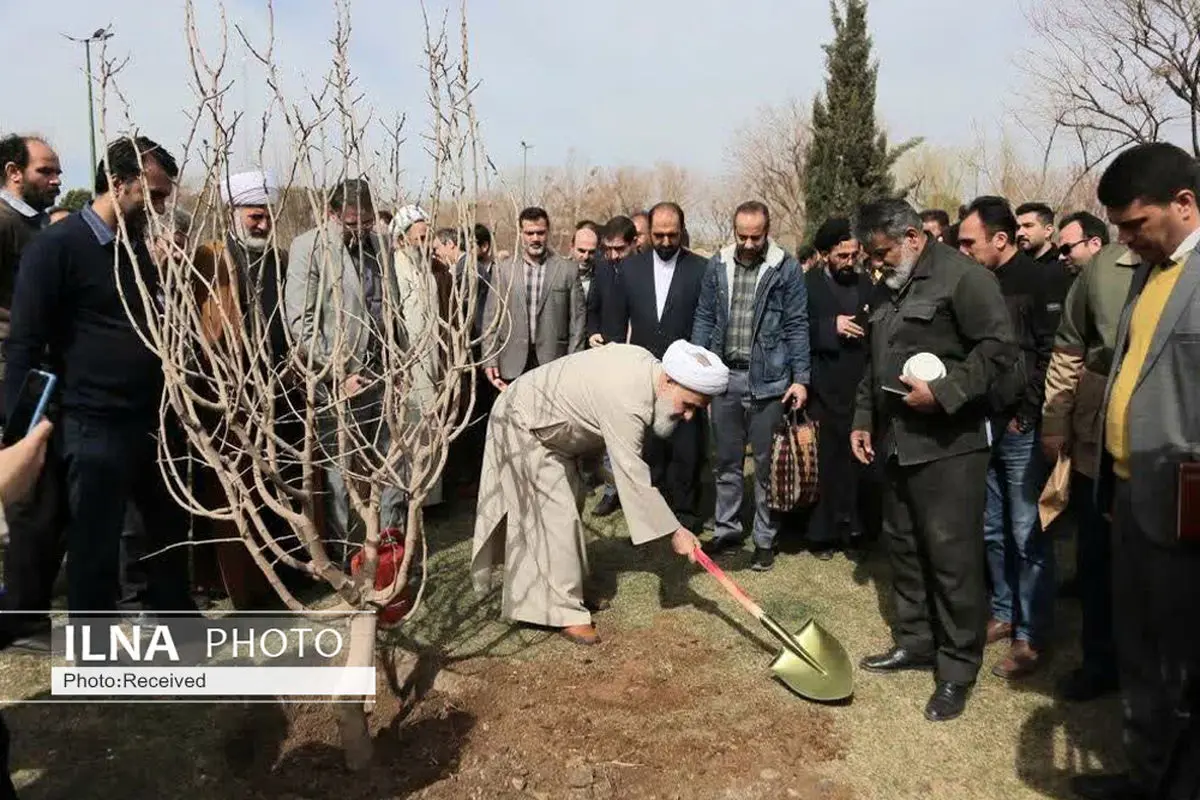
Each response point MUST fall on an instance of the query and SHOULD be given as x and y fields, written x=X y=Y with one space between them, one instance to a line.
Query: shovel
x=812 y=664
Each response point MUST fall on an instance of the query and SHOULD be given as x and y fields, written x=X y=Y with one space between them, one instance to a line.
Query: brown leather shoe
x=582 y=634
x=998 y=631
x=1021 y=661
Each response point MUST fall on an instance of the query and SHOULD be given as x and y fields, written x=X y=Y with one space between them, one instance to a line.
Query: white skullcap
x=695 y=368
x=253 y=188
x=405 y=218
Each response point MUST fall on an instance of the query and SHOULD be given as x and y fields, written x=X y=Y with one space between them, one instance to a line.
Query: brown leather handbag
x=794 y=480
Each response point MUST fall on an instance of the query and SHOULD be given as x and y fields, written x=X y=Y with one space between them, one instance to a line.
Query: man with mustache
x=69 y=301
x=1035 y=232
x=535 y=312
x=934 y=444
x=840 y=297
x=608 y=398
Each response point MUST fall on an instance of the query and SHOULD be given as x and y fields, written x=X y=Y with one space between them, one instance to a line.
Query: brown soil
x=654 y=713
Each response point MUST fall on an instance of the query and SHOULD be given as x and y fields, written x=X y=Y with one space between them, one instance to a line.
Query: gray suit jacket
x=1164 y=414
x=319 y=261
x=561 y=316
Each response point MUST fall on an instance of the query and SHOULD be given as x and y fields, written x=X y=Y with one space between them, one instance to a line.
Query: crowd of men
x=1056 y=344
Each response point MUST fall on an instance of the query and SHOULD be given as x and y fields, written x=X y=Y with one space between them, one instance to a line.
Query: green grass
x=1013 y=742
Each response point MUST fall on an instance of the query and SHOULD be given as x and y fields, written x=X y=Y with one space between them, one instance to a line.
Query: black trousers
x=933 y=523
x=1156 y=615
x=1093 y=566
x=835 y=518
x=108 y=465
x=675 y=465
x=37 y=544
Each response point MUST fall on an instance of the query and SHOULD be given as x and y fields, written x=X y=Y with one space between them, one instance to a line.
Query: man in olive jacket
x=1072 y=422
x=934 y=440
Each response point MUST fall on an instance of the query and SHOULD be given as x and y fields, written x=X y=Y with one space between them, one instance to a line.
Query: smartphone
x=30 y=407
x=863 y=317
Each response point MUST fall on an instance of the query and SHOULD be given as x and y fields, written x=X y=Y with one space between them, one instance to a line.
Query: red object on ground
x=391 y=555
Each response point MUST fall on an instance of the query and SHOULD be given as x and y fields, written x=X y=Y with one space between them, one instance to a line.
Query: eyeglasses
x=1065 y=249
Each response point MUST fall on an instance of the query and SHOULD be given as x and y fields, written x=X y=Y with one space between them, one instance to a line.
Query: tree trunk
x=352 y=717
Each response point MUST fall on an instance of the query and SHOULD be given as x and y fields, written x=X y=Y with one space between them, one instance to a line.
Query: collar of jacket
x=775 y=255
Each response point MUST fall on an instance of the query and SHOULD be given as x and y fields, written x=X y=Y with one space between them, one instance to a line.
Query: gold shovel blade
x=825 y=673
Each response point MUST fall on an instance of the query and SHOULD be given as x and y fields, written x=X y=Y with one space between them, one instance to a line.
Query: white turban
x=405 y=218
x=695 y=368
x=254 y=188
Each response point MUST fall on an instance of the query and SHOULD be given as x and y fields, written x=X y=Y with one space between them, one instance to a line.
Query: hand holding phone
x=30 y=408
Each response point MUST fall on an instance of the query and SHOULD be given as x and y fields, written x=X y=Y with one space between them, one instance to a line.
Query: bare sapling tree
x=1111 y=73
x=768 y=158
x=369 y=393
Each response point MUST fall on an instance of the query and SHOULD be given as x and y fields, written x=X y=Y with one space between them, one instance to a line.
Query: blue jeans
x=1020 y=556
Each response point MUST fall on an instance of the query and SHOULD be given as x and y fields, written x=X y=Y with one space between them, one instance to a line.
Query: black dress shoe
x=720 y=545
x=764 y=559
x=897 y=660
x=948 y=701
x=824 y=552
x=1106 y=787
x=1082 y=685
x=607 y=506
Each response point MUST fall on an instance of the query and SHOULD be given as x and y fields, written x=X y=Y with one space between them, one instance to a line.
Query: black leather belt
x=740 y=366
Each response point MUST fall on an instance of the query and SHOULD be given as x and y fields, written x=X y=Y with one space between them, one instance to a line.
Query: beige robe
x=576 y=405
x=419 y=307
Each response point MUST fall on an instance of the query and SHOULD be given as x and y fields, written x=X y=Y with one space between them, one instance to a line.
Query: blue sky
x=623 y=82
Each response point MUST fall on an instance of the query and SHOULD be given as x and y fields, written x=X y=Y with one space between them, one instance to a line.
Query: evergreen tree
x=849 y=161
x=75 y=199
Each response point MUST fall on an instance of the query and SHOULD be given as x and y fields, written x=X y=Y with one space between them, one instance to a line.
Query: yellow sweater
x=1142 y=324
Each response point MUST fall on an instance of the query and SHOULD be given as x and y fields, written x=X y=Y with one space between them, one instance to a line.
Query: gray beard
x=896 y=279
x=664 y=421
x=256 y=243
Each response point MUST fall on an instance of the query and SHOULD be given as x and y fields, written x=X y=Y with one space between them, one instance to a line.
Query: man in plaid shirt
x=536 y=312
x=753 y=312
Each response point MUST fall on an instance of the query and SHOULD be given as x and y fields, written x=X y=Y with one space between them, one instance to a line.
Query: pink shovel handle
x=728 y=584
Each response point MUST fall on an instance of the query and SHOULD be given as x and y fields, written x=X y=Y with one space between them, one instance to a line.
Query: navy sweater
x=67 y=312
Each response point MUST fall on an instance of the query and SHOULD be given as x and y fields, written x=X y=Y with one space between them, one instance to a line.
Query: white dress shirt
x=664 y=271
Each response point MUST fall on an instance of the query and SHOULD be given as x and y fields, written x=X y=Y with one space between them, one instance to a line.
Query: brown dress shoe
x=998 y=631
x=1021 y=661
x=582 y=634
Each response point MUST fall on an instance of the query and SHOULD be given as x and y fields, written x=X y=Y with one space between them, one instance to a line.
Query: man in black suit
x=656 y=298
x=618 y=240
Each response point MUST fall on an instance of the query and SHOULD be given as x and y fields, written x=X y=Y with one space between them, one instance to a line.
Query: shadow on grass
x=1092 y=734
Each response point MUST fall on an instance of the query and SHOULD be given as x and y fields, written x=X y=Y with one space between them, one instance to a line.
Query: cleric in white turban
x=410 y=226
x=528 y=520
x=253 y=188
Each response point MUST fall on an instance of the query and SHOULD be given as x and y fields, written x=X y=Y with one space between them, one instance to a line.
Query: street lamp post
x=525 y=148
x=99 y=35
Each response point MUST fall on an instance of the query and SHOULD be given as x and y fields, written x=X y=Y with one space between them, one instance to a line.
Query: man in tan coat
x=609 y=397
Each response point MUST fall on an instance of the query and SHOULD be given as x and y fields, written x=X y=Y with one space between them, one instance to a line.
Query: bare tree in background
x=1111 y=73
x=767 y=160
x=223 y=390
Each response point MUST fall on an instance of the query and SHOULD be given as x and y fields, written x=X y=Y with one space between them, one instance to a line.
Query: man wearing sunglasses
x=1081 y=237
x=1071 y=422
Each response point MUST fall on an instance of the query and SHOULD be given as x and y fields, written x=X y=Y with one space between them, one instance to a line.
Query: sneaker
x=764 y=559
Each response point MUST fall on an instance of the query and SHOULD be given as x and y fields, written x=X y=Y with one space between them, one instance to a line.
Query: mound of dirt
x=655 y=713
